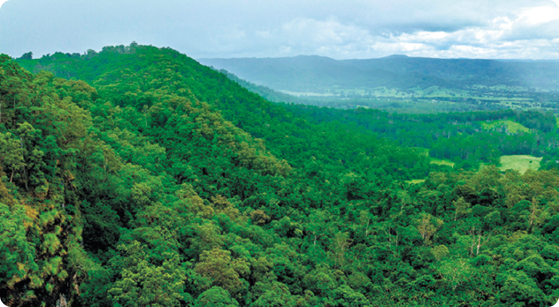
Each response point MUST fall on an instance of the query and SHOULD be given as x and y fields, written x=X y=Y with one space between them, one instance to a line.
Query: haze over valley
x=428 y=83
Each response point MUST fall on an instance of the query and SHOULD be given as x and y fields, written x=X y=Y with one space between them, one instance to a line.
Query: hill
x=148 y=179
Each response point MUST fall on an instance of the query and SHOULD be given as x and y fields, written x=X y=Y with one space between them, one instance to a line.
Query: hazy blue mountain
x=319 y=74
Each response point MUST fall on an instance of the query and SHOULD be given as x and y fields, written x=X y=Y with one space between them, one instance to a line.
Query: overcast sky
x=520 y=29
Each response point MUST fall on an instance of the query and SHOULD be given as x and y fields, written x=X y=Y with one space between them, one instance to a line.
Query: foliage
x=167 y=184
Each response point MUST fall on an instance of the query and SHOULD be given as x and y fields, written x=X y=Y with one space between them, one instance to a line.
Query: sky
x=348 y=29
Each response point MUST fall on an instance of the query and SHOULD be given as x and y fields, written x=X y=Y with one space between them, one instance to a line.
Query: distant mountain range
x=319 y=74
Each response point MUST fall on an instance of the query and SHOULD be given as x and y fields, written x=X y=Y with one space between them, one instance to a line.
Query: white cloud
x=523 y=30
x=539 y=15
x=335 y=28
x=528 y=32
x=500 y=37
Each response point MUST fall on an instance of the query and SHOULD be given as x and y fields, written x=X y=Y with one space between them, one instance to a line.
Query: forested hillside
x=137 y=177
x=467 y=138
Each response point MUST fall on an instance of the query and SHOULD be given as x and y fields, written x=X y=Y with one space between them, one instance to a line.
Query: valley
x=403 y=84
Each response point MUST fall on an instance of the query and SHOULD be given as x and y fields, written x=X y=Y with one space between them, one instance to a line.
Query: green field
x=416 y=181
x=520 y=163
x=513 y=127
x=425 y=151
x=442 y=162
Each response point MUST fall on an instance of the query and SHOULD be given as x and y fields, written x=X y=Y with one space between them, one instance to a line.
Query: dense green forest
x=466 y=138
x=137 y=177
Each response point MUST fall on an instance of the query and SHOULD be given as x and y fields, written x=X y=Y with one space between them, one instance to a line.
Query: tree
x=274 y=294
x=338 y=247
x=221 y=270
x=27 y=56
x=455 y=272
x=537 y=215
x=216 y=296
x=427 y=225
x=520 y=290
x=439 y=252
x=461 y=207
x=11 y=154
x=143 y=283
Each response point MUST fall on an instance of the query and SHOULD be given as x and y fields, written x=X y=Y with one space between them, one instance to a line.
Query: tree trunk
x=478 y=244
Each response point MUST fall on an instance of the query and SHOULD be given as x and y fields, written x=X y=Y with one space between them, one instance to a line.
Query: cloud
x=539 y=15
x=335 y=28
x=527 y=32
x=502 y=37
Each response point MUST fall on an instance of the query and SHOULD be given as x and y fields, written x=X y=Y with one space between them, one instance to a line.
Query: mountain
x=131 y=174
x=135 y=176
x=319 y=74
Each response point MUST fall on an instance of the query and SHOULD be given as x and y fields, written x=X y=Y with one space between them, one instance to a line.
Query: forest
x=135 y=176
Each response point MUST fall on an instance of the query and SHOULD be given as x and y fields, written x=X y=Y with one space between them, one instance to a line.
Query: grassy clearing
x=513 y=127
x=425 y=152
x=520 y=163
x=442 y=162
x=416 y=181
